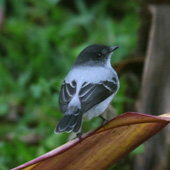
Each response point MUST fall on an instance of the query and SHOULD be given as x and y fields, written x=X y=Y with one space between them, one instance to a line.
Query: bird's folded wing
x=67 y=92
x=91 y=94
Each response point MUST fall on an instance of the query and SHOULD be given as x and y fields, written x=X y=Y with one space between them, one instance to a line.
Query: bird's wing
x=92 y=94
x=67 y=92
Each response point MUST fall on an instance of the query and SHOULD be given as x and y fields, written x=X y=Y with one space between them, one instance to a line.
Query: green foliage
x=38 y=44
x=138 y=150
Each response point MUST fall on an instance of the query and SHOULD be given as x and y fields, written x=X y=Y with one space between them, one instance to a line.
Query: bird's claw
x=79 y=136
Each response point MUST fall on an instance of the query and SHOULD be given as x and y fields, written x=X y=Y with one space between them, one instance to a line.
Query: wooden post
x=155 y=93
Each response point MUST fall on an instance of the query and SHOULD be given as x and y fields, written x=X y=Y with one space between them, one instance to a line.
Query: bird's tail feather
x=69 y=123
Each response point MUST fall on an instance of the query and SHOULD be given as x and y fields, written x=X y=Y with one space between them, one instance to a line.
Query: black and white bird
x=88 y=88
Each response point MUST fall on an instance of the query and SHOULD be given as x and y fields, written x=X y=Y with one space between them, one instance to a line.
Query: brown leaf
x=104 y=146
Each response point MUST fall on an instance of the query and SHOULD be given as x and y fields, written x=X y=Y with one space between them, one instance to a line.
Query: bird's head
x=95 y=54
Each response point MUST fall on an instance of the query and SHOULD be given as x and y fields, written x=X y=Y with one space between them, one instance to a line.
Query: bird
x=88 y=88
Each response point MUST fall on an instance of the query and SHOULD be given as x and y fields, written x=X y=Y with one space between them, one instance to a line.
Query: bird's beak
x=113 y=48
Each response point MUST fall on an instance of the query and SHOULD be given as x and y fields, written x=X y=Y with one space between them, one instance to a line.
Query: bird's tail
x=70 y=122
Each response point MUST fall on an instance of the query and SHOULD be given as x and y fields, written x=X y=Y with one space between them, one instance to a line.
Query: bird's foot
x=104 y=121
x=79 y=136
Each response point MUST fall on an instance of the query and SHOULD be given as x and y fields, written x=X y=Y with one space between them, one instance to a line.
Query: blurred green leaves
x=3 y=108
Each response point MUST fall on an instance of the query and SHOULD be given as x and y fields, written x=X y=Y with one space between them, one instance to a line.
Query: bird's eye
x=99 y=55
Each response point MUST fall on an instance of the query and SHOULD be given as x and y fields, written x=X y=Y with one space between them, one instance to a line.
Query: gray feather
x=67 y=92
x=70 y=122
x=92 y=94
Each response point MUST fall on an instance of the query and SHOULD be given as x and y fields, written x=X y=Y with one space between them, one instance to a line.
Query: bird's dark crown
x=95 y=54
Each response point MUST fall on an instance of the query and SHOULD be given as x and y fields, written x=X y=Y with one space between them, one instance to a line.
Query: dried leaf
x=102 y=147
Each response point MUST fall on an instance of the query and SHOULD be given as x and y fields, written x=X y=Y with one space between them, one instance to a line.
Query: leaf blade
x=104 y=146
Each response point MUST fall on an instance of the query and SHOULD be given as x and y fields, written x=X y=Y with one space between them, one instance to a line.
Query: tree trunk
x=155 y=93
